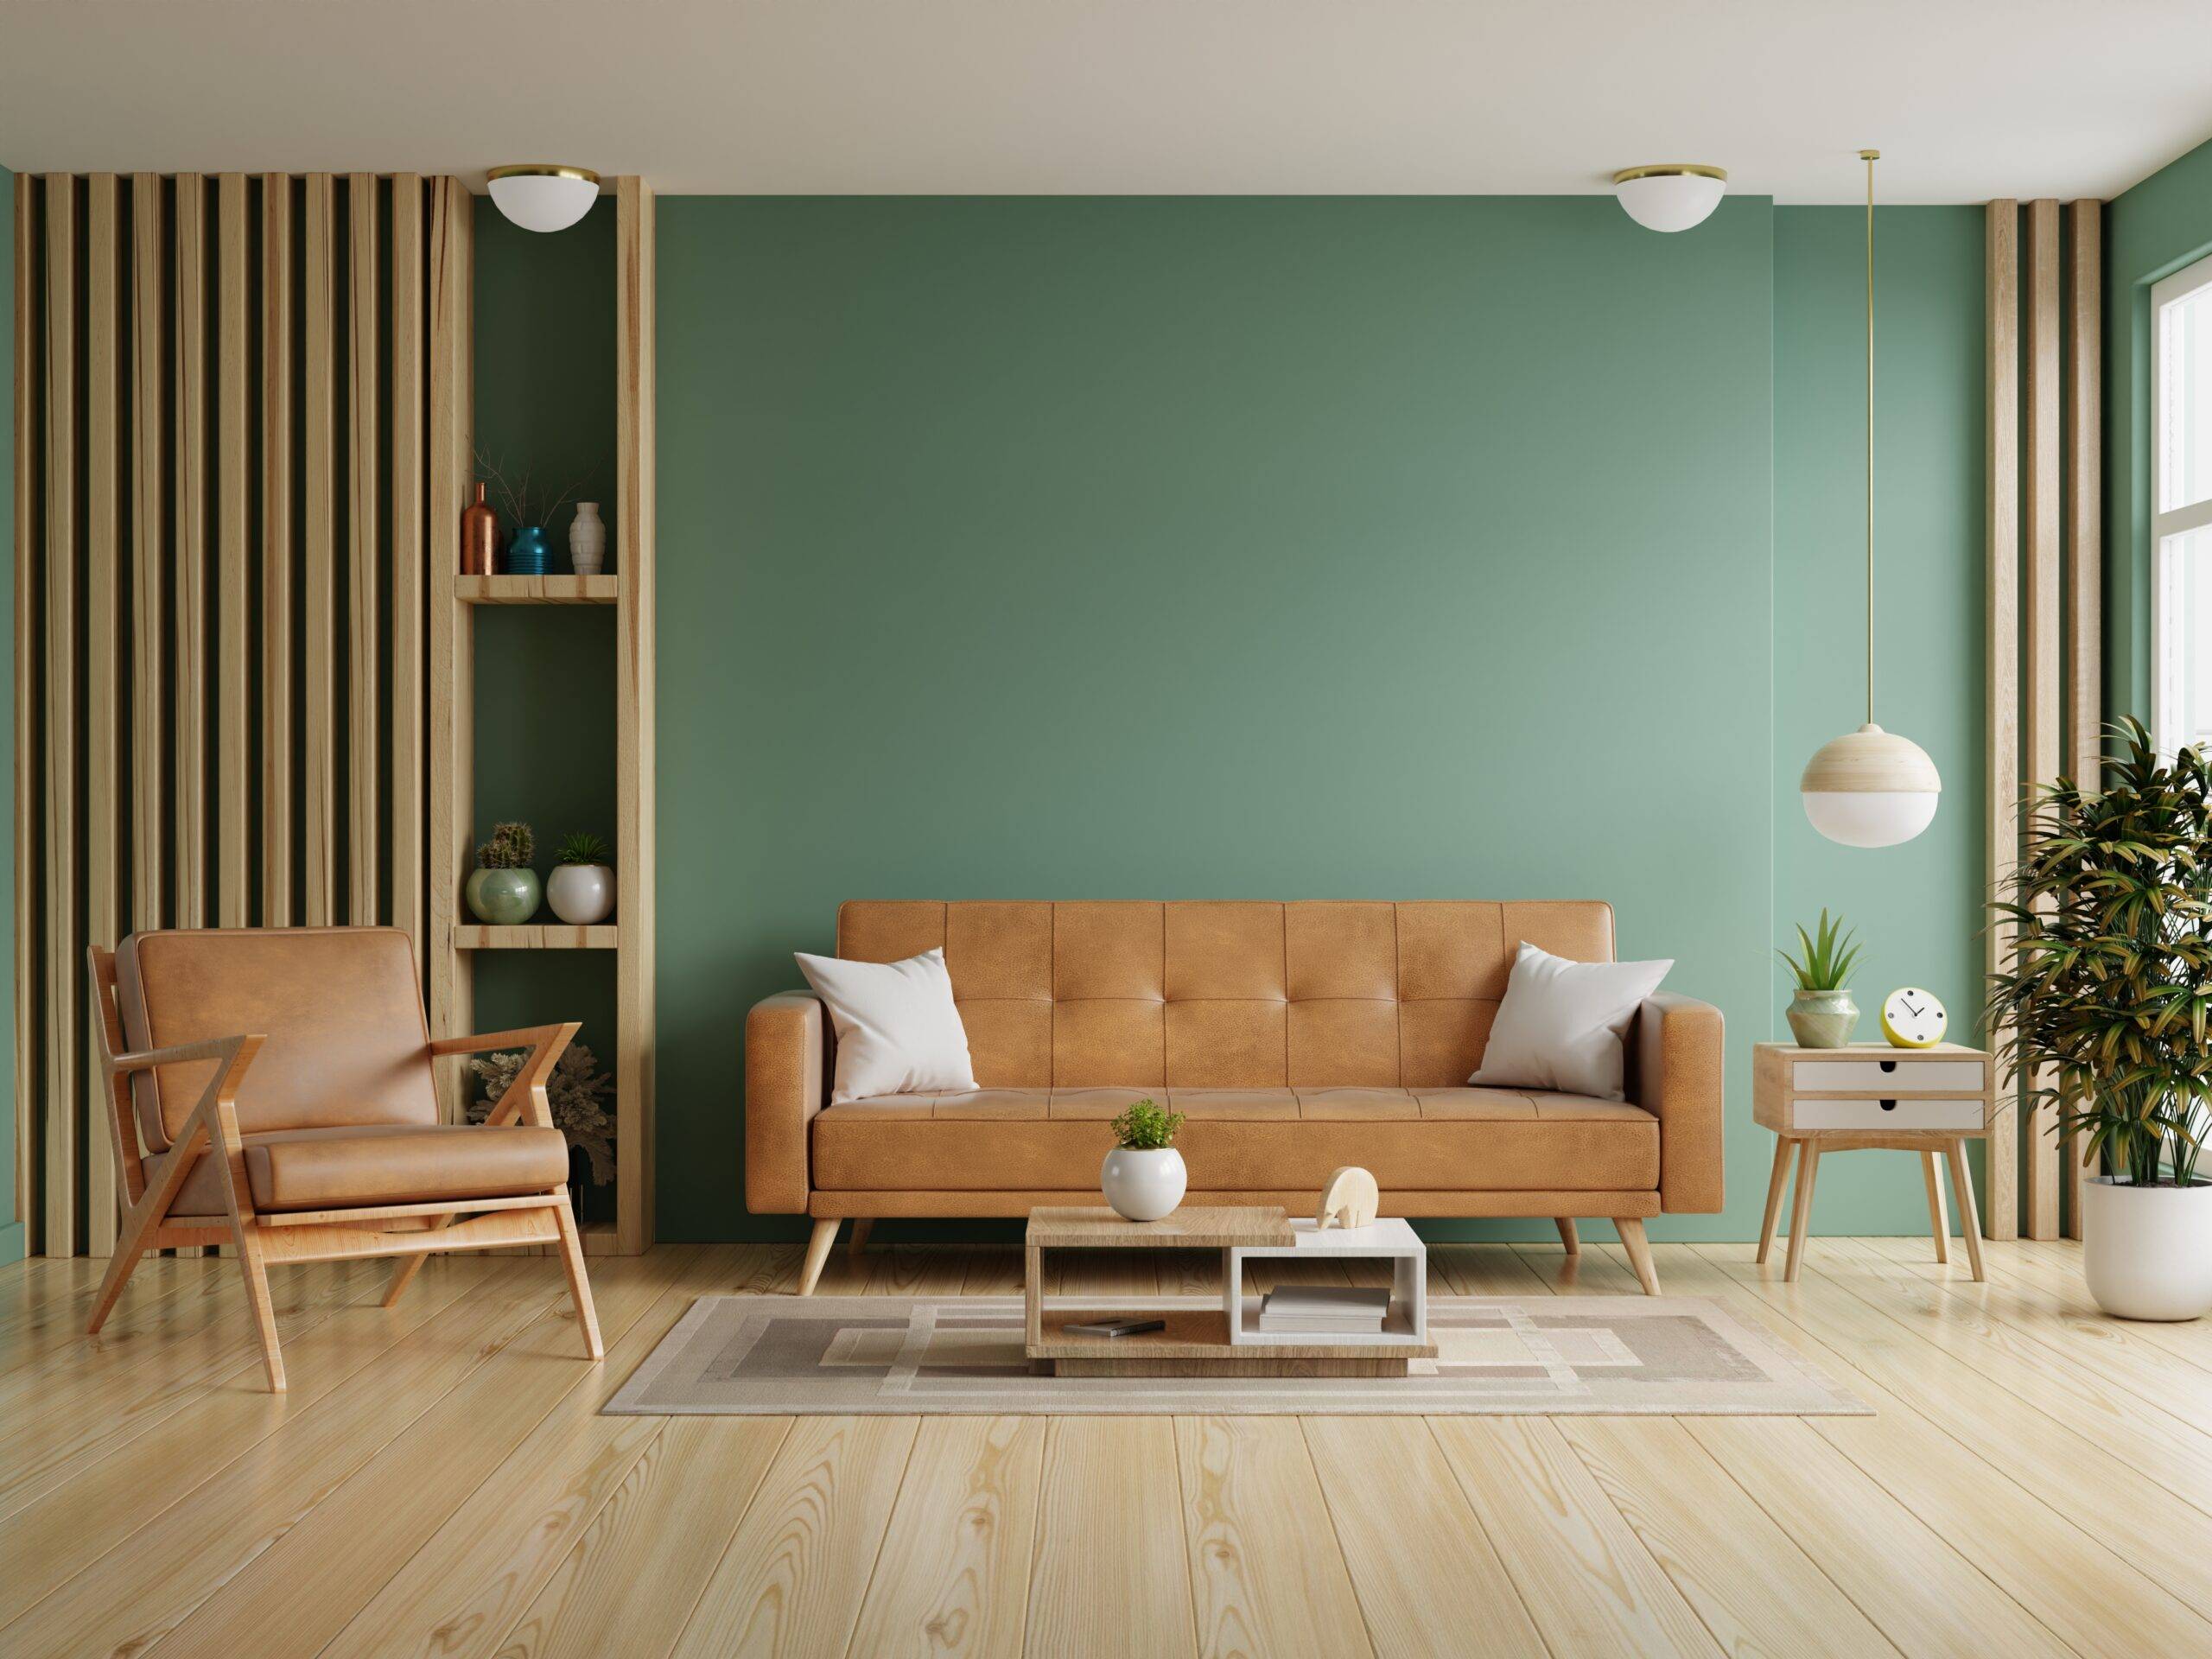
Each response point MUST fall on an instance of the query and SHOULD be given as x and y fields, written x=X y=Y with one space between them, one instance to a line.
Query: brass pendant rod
x=1870 y=156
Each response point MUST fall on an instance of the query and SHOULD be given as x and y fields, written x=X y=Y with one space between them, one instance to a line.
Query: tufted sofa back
x=1224 y=994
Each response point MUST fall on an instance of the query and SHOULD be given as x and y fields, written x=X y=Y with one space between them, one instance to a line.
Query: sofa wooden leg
x=1630 y=1228
x=817 y=1252
x=572 y=1260
x=263 y=1310
x=1568 y=1236
x=862 y=1226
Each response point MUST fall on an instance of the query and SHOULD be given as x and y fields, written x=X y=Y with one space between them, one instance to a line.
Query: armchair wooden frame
x=411 y=1231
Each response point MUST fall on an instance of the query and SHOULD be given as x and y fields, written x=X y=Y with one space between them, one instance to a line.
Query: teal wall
x=11 y=1225
x=2151 y=230
x=1205 y=548
x=1916 y=906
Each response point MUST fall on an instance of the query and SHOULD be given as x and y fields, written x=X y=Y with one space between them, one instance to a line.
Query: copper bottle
x=479 y=537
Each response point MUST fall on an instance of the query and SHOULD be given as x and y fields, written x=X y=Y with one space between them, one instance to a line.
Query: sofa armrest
x=1679 y=1067
x=785 y=1087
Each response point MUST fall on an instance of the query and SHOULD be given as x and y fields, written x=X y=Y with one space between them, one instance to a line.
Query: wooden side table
x=1872 y=1096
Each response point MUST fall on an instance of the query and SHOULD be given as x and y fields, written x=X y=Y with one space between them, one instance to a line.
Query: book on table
x=1324 y=1309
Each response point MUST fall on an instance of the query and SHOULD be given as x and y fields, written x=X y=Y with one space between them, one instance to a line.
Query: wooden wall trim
x=2002 y=732
x=29 y=976
x=2084 y=545
x=2041 y=714
x=318 y=436
x=279 y=553
x=58 y=1101
x=364 y=555
x=149 y=561
x=103 y=641
x=410 y=665
x=233 y=756
x=189 y=554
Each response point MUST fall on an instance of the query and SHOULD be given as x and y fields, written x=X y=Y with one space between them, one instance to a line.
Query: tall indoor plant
x=2106 y=1006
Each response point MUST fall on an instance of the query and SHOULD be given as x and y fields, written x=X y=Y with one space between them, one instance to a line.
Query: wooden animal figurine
x=1350 y=1199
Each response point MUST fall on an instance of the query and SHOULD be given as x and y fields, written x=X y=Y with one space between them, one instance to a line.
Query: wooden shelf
x=553 y=935
x=537 y=590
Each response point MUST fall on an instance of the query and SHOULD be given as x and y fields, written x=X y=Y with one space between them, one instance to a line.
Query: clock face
x=1912 y=1018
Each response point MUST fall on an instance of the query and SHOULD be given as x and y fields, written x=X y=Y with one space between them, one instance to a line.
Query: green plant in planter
x=512 y=848
x=1822 y=1013
x=503 y=889
x=1146 y=1127
x=2108 y=986
x=582 y=847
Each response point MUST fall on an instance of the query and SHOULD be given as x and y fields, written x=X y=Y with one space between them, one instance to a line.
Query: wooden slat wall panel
x=2084 y=544
x=409 y=665
x=103 y=638
x=318 y=698
x=452 y=702
x=62 y=1047
x=2001 y=1210
x=233 y=456
x=280 y=549
x=634 y=668
x=364 y=551
x=189 y=544
x=2041 y=714
x=150 y=562
x=29 y=559
x=158 y=436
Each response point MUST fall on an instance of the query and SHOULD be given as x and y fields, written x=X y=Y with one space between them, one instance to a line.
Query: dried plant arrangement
x=517 y=496
x=578 y=1092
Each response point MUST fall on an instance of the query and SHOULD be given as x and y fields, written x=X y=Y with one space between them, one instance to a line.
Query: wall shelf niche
x=456 y=939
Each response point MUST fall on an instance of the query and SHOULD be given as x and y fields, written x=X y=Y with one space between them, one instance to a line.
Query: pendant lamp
x=1870 y=788
x=540 y=196
x=1672 y=195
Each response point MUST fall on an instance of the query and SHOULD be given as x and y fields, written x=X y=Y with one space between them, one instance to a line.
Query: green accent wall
x=1917 y=907
x=11 y=1225
x=1395 y=548
x=2151 y=231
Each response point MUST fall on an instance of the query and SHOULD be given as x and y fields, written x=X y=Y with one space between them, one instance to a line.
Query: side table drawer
x=1889 y=1114
x=1898 y=1076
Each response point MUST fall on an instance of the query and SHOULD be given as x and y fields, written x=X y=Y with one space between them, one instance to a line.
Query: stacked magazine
x=1325 y=1310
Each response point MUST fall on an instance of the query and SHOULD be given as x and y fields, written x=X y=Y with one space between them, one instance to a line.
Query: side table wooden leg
x=1774 y=1185
x=1800 y=1207
x=1969 y=1219
x=1939 y=1218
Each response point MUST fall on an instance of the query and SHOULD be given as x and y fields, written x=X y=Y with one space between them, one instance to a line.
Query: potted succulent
x=581 y=887
x=502 y=890
x=1143 y=1177
x=2105 y=1002
x=1822 y=1013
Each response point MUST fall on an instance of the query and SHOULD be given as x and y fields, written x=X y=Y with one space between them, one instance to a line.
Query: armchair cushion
x=344 y=1168
x=340 y=1007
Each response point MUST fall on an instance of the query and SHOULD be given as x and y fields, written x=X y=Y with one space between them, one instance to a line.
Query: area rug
x=962 y=1356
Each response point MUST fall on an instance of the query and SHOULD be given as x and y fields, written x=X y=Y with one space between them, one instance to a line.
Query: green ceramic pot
x=1823 y=1018
x=503 y=897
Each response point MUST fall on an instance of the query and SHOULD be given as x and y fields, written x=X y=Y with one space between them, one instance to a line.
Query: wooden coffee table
x=1223 y=1341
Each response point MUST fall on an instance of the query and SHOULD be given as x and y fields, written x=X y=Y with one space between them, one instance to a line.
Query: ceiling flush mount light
x=541 y=197
x=1672 y=196
x=1870 y=788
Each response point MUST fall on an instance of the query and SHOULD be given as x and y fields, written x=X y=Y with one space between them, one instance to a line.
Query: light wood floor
x=2037 y=1480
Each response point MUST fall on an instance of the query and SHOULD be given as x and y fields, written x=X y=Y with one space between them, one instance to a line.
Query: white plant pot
x=580 y=894
x=2146 y=1251
x=1143 y=1185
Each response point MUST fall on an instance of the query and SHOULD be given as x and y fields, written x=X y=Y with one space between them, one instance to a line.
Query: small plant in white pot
x=1143 y=1177
x=2108 y=995
x=581 y=887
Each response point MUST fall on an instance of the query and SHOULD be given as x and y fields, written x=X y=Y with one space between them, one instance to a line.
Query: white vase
x=581 y=894
x=2146 y=1251
x=1143 y=1185
x=587 y=540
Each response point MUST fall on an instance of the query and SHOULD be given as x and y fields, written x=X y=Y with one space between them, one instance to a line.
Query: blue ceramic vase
x=531 y=553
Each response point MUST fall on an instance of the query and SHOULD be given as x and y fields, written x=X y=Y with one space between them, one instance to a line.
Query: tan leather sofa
x=1294 y=1038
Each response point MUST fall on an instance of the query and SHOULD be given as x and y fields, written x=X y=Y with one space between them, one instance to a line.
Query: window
x=2180 y=532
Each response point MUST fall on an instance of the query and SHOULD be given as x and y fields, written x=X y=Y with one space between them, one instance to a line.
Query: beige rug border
x=1219 y=1396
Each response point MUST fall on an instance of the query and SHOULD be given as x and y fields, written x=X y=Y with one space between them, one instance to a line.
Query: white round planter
x=2146 y=1251
x=1143 y=1185
x=580 y=894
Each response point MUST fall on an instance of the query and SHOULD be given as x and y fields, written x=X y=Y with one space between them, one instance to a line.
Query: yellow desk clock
x=1912 y=1018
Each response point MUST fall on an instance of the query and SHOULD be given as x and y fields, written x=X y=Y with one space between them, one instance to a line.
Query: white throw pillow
x=898 y=1031
x=1562 y=1024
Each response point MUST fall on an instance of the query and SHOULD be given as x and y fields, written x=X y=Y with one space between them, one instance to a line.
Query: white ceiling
x=1967 y=98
